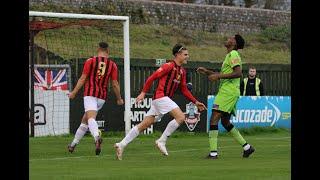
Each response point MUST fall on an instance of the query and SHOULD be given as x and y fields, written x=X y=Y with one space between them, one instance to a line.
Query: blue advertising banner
x=258 y=111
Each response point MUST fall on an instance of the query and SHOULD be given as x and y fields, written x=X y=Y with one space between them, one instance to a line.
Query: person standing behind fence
x=226 y=100
x=170 y=76
x=251 y=85
x=95 y=77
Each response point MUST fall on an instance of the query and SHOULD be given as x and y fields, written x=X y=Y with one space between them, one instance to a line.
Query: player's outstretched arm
x=203 y=70
x=116 y=90
x=236 y=73
x=79 y=85
x=200 y=106
x=185 y=91
x=189 y=96
x=140 y=97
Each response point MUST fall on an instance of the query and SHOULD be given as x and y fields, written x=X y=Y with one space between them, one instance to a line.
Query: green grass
x=48 y=158
x=156 y=42
x=151 y=42
x=271 y=46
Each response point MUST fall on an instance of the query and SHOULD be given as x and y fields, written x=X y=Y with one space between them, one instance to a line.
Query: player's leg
x=81 y=131
x=213 y=134
x=132 y=134
x=94 y=130
x=165 y=105
x=220 y=105
x=172 y=126
x=92 y=105
x=233 y=131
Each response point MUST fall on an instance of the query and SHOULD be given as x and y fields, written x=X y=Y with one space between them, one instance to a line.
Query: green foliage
x=278 y=33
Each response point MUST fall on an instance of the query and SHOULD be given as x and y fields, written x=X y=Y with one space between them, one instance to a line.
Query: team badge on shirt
x=235 y=61
x=178 y=77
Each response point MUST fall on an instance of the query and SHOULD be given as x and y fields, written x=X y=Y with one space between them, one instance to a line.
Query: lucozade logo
x=269 y=114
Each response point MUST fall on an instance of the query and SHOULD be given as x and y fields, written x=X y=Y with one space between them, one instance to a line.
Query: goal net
x=59 y=43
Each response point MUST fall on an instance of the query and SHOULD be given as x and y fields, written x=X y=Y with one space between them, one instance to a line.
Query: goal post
x=126 y=52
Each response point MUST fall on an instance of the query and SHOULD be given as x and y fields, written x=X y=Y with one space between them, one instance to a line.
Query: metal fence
x=276 y=78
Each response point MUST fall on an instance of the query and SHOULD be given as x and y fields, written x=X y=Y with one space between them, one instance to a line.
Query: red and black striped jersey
x=99 y=70
x=171 y=76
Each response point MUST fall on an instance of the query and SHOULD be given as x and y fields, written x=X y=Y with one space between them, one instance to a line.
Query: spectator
x=251 y=85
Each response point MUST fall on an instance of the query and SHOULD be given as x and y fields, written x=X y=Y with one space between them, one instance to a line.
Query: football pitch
x=49 y=159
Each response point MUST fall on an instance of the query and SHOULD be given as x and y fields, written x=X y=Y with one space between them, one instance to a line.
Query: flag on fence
x=49 y=79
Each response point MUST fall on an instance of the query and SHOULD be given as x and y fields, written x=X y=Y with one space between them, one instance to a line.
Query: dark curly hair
x=240 y=41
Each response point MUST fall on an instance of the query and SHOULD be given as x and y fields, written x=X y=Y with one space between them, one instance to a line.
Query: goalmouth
x=126 y=55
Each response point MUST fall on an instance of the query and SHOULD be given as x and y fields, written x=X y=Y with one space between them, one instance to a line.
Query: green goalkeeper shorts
x=225 y=103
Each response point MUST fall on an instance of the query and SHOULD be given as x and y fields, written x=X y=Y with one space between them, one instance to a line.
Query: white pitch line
x=63 y=158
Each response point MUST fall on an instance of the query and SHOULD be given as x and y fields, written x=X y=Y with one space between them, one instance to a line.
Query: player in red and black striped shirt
x=170 y=76
x=97 y=72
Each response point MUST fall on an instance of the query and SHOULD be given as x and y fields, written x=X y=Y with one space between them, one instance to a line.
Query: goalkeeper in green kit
x=226 y=100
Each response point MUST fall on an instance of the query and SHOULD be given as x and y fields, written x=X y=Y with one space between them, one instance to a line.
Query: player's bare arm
x=236 y=73
x=203 y=70
x=79 y=85
x=116 y=90
x=200 y=106
x=189 y=96
x=140 y=97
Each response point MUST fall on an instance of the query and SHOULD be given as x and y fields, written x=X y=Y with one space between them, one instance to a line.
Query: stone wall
x=223 y=19
x=284 y=5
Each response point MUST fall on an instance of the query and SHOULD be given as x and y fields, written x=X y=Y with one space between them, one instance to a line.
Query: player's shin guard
x=213 y=138
x=81 y=131
x=93 y=127
x=171 y=127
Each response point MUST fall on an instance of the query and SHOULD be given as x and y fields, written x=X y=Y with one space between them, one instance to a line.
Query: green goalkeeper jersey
x=230 y=86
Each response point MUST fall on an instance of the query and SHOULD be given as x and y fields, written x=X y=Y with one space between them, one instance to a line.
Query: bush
x=278 y=33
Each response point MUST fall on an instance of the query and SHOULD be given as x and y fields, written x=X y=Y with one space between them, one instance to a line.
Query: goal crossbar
x=77 y=16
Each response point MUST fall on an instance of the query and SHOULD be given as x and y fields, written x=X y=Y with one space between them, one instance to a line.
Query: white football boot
x=162 y=147
x=119 y=150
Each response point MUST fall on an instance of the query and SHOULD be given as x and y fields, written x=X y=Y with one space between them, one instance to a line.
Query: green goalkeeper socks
x=213 y=140
x=237 y=136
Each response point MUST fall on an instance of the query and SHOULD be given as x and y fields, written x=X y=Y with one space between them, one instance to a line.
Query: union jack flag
x=48 y=79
